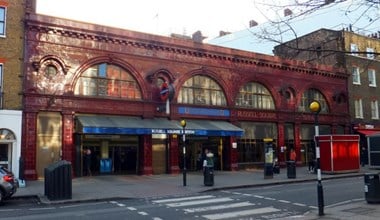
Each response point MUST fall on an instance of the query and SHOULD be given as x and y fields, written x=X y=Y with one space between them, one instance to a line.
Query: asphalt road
x=270 y=202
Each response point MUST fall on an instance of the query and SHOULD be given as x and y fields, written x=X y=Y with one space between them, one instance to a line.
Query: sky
x=161 y=17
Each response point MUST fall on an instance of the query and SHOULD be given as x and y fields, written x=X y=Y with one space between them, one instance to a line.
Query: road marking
x=38 y=209
x=132 y=208
x=182 y=199
x=142 y=213
x=8 y=210
x=284 y=201
x=236 y=214
x=199 y=202
x=299 y=204
x=218 y=207
x=157 y=218
x=260 y=197
x=247 y=194
x=268 y=198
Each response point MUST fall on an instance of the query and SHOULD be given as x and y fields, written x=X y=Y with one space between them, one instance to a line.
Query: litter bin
x=208 y=175
x=291 y=169
x=58 y=183
x=372 y=188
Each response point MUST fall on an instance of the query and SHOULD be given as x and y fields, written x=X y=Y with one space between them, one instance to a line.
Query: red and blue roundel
x=164 y=93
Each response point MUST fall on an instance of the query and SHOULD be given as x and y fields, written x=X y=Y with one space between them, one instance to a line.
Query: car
x=8 y=184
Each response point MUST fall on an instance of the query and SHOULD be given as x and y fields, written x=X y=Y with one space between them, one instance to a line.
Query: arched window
x=107 y=80
x=308 y=97
x=254 y=95
x=6 y=134
x=201 y=90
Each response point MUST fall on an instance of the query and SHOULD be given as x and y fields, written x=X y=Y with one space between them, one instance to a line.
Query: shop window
x=201 y=90
x=308 y=97
x=2 y=20
x=107 y=80
x=254 y=95
x=250 y=146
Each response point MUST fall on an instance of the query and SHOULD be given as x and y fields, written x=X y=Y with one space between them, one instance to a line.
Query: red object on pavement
x=339 y=153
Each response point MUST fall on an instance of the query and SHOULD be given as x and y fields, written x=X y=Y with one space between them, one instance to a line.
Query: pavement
x=85 y=189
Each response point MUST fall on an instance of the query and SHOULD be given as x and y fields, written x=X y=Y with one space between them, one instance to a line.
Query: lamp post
x=183 y=124
x=315 y=107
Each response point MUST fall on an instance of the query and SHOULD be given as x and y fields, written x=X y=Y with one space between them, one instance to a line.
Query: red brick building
x=122 y=94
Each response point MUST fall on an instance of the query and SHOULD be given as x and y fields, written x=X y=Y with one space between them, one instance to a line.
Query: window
x=355 y=75
x=358 y=108
x=201 y=90
x=2 y=21
x=51 y=71
x=354 y=49
x=308 y=97
x=254 y=95
x=107 y=80
x=372 y=77
x=374 y=109
x=370 y=53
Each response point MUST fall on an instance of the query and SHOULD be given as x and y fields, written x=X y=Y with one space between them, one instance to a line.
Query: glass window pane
x=102 y=70
x=107 y=81
x=254 y=95
x=2 y=31
x=201 y=90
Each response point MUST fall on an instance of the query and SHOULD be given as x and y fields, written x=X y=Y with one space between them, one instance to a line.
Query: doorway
x=6 y=155
x=124 y=159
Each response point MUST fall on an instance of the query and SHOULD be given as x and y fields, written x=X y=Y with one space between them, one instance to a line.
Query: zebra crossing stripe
x=182 y=199
x=228 y=215
x=219 y=207
x=199 y=202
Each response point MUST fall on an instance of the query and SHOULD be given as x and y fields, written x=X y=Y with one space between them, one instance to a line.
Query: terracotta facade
x=72 y=47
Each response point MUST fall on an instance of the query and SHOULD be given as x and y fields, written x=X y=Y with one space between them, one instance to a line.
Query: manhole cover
x=359 y=210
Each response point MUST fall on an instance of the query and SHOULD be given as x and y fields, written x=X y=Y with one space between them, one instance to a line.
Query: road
x=270 y=202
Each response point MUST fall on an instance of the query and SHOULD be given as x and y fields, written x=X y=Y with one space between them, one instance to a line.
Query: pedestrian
x=310 y=157
x=199 y=160
x=87 y=162
x=292 y=155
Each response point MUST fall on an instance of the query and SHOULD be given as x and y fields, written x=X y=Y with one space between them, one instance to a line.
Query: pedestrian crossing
x=215 y=207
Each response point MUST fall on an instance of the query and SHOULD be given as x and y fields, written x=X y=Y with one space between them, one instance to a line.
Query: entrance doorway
x=6 y=155
x=124 y=159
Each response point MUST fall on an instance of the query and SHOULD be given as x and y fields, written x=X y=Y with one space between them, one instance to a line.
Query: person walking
x=87 y=162
x=310 y=158
x=292 y=155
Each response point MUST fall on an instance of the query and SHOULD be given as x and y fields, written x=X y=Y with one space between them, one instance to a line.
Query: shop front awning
x=135 y=125
x=212 y=128
x=367 y=132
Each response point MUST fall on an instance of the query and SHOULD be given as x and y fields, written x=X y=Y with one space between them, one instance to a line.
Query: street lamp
x=315 y=107
x=183 y=124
